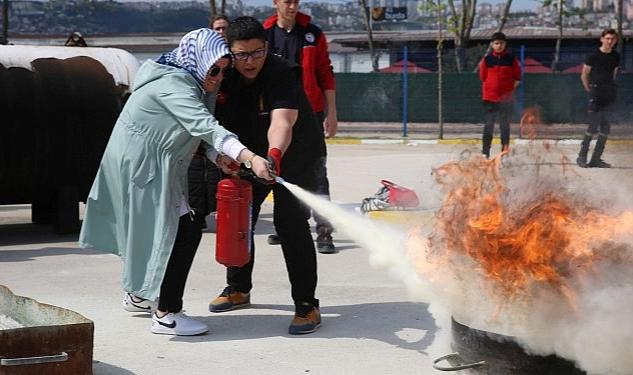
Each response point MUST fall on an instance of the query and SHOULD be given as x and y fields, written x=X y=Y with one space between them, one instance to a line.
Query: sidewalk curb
x=460 y=141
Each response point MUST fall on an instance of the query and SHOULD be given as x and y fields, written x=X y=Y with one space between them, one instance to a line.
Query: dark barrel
x=55 y=122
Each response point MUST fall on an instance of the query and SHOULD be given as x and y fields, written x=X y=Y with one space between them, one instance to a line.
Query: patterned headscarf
x=197 y=52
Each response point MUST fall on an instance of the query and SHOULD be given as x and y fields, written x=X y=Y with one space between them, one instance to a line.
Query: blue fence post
x=522 y=85
x=405 y=90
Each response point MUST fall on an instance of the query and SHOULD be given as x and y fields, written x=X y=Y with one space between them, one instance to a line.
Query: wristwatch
x=248 y=163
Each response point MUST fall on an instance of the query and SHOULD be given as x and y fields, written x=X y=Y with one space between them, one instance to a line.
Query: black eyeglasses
x=214 y=71
x=257 y=54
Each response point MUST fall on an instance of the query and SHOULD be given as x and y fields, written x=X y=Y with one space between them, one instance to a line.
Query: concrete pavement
x=369 y=324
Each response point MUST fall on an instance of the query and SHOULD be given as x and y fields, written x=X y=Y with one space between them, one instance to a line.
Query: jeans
x=493 y=111
x=322 y=186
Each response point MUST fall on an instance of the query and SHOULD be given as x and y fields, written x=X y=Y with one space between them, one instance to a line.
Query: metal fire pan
x=491 y=353
x=36 y=338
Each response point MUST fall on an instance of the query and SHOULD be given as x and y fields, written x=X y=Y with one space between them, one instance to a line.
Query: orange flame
x=529 y=123
x=541 y=235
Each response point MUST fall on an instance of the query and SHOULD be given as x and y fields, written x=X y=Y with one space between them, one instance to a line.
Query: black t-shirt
x=245 y=110
x=602 y=67
x=286 y=44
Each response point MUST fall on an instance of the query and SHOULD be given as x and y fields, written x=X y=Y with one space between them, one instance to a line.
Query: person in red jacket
x=500 y=74
x=291 y=35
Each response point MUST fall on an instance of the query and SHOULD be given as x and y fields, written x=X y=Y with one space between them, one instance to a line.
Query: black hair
x=606 y=32
x=245 y=28
x=498 y=36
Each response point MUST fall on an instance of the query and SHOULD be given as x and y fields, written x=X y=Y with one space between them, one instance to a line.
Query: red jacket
x=314 y=59
x=498 y=72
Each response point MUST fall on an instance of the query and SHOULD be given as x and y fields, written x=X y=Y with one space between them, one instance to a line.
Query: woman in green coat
x=137 y=207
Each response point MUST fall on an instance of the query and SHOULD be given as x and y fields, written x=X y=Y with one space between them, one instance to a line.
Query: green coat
x=133 y=207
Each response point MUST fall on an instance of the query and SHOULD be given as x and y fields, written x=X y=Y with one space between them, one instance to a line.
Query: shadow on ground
x=102 y=368
x=405 y=325
x=19 y=255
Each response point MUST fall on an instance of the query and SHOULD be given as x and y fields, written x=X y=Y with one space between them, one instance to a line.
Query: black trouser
x=322 y=186
x=502 y=111
x=599 y=111
x=182 y=254
x=291 y=222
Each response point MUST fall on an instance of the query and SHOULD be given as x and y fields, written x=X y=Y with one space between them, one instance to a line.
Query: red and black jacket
x=498 y=72
x=314 y=59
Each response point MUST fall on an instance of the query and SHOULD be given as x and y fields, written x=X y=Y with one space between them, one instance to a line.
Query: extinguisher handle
x=249 y=174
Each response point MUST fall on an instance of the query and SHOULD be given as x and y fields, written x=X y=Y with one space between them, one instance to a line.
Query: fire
x=536 y=234
x=529 y=123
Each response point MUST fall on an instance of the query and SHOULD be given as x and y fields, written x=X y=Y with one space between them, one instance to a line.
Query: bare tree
x=559 y=38
x=461 y=24
x=618 y=18
x=503 y=17
x=436 y=6
x=370 y=36
x=5 y=23
x=213 y=8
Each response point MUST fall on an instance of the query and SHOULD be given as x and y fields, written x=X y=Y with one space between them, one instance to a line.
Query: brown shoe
x=305 y=323
x=230 y=299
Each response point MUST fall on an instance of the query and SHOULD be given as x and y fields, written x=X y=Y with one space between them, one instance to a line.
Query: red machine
x=233 y=223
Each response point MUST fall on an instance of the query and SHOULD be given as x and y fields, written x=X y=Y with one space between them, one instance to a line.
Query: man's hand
x=227 y=165
x=274 y=161
x=330 y=125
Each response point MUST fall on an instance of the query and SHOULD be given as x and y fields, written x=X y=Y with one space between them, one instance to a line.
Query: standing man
x=291 y=36
x=263 y=102
x=598 y=78
x=219 y=24
x=500 y=74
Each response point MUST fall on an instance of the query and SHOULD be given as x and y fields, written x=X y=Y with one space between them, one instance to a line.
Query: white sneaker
x=177 y=324
x=133 y=303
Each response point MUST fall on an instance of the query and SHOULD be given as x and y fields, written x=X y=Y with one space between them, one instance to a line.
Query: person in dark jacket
x=598 y=79
x=500 y=74
x=291 y=35
x=263 y=102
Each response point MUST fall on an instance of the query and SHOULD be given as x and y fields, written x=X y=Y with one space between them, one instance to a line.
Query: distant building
x=600 y=5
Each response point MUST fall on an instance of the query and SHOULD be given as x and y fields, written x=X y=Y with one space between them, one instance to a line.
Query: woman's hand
x=227 y=165
x=261 y=168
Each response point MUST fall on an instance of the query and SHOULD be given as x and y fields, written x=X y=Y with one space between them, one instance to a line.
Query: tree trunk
x=370 y=37
x=440 y=72
x=223 y=7
x=213 y=8
x=618 y=18
x=5 y=23
x=461 y=26
x=559 y=39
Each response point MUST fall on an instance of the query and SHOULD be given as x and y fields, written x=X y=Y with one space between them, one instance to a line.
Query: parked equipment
x=57 y=108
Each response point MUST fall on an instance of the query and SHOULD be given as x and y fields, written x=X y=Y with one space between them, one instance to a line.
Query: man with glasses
x=262 y=101
x=291 y=35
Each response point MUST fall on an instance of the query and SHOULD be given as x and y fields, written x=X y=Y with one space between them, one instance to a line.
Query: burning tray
x=36 y=338
x=492 y=353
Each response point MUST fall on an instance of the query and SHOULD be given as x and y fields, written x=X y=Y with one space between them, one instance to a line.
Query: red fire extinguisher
x=233 y=222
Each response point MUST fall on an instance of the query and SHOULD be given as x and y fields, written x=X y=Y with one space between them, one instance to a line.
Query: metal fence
x=397 y=94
